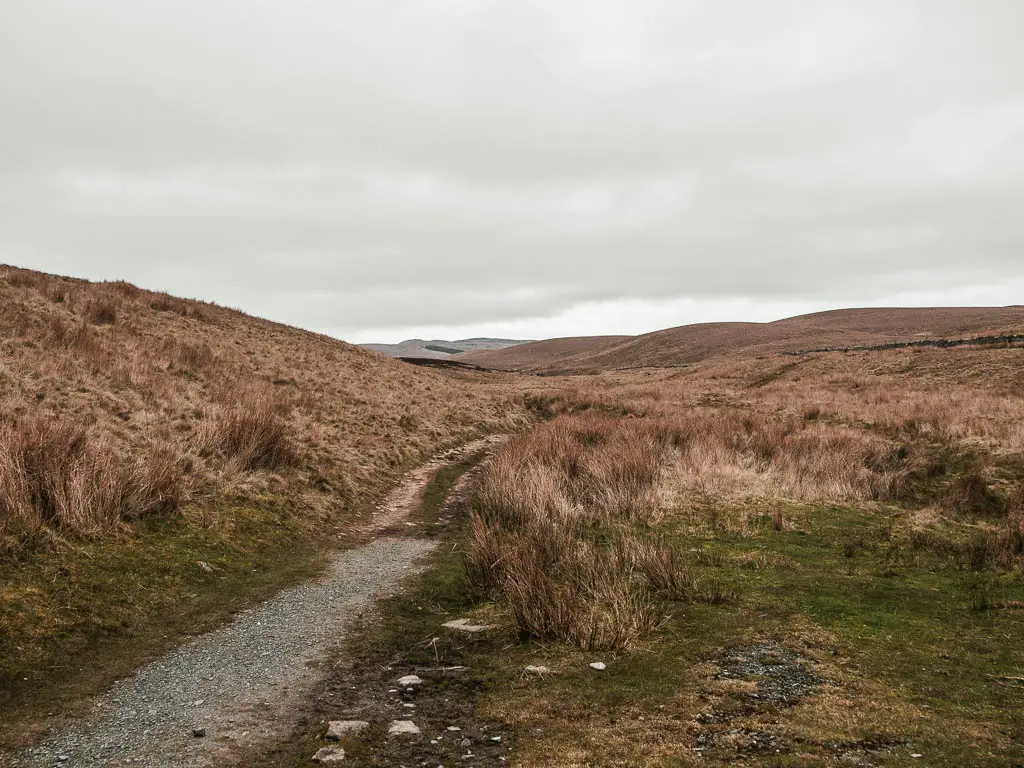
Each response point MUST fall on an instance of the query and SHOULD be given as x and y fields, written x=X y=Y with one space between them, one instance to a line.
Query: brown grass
x=846 y=328
x=557 y=532
x=253 y=435
x=146 y=375
x=101 y=311
x=732 y=445
x=54 y=478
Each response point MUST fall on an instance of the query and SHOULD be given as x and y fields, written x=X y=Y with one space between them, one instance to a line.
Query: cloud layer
x=374 y=169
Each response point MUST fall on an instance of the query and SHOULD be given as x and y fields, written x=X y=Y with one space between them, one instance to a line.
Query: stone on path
x=600 y=666
x=538 y=669
x=465 y=625
x=329 y=755
x=403 y=728
x=338 y=728
x=410 y=681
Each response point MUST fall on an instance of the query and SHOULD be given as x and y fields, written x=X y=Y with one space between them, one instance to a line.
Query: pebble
x=403 y=728
x=537 y=669
x=329 y=755
x=600 y=666
x=466 y=625
x=410 y=681
x=338 y=728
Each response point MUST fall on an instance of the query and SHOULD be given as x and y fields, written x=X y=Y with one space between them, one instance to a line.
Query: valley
x=687 y=548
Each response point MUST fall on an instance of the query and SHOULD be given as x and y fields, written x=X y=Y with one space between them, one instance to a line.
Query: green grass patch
x=77 y=618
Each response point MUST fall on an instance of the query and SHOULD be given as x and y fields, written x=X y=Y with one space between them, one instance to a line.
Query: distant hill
x=693 y=343
x=540 y=354
x=439 y=348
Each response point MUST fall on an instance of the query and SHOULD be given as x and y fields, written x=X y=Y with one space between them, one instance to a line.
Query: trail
x=239 y=684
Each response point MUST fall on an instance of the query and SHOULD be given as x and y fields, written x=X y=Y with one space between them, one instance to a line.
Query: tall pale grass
x=558 y=531
x=54 y=478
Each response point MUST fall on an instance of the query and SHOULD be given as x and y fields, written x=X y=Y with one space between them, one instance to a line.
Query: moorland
x=797 y=543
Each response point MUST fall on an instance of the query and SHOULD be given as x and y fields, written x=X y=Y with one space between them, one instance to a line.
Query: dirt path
x=237 y=685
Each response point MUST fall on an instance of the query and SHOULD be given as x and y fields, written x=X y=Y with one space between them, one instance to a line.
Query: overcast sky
x=392 y=168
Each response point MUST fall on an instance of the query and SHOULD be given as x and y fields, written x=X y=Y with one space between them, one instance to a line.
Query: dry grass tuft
x=252 y=436
x=556 y=532
x=102 y=311
x=969 y=496
x=55 y=478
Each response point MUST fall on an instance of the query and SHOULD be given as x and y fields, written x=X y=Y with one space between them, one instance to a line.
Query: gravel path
x=233 y=681
x=240 y=683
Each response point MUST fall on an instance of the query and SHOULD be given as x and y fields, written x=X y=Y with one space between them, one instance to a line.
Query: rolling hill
x=844 y=328
x=440 y=348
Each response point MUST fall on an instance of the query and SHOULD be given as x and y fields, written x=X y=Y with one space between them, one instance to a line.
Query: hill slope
x=165 y=462
x=540 y=353
x=439 y=348
x=147 y=374
x=693 y=343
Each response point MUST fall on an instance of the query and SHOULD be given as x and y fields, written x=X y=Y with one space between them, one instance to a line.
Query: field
x=779 y=564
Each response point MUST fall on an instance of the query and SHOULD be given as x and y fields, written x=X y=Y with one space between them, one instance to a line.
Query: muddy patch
x=440 y=707
x=781 y=675
x=753 y=683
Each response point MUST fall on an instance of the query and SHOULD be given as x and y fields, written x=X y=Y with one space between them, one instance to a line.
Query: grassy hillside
x=541 y=354
x=693 y=343
x=142 y=433
x=779 y=561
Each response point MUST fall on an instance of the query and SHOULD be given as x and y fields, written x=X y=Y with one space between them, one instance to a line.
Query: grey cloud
x=350 y=164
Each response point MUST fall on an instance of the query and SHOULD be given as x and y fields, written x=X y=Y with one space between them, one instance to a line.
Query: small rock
x=329 y=755
x=204 y=566
x=454 y=728
x=403 y=728
x=338 y=728
x=465 y=625
x=466 y=743
x=495 y=738
x=410 y=681
x=600 y=666
x=199 y=732
x=538 y=669
x=917 y=754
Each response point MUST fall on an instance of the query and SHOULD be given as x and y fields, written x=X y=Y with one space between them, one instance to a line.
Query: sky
x=390 y=169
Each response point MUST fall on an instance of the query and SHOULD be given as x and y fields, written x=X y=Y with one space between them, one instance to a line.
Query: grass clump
x=557 y=526
x=252 y=436
x=55 y=478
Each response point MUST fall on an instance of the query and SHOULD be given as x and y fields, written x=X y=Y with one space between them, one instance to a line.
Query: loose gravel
x=782 y=675
x=238 y=683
